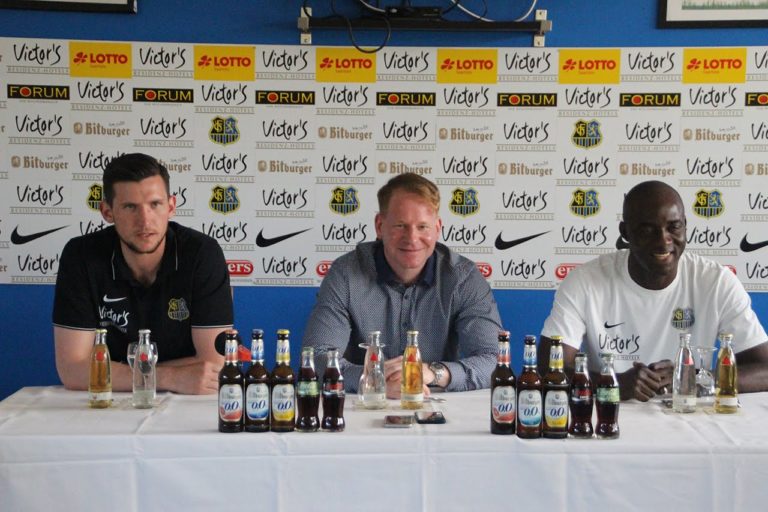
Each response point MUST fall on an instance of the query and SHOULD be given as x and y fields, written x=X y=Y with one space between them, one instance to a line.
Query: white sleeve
x=736 y=314
x=568 y=309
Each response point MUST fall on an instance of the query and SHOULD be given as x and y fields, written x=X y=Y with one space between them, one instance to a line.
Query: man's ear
x=106 y=212
x=623 y=230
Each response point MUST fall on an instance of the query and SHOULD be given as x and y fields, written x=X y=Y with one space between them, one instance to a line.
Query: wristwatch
x=439 y=370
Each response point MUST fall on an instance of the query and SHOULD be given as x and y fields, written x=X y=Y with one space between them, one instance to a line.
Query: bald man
x=635 y=302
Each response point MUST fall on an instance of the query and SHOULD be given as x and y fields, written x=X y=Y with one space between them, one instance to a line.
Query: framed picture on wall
x=128 y=6
x=712 y=13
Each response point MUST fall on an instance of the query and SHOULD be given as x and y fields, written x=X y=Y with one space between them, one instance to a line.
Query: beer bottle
x=283 y=392
x=608 y=397
x=684 y=377
x=230 y=388
x=100 y=381
x=333 y=394
x=555 y=394
x=307 y=393
x=412 y=383
x=503 y=399
x=144 y=376
x=581 y=400
x=726 y=392
x=257 y=387
x=529 y=406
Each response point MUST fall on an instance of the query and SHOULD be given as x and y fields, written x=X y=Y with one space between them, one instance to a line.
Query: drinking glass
x=705 y=381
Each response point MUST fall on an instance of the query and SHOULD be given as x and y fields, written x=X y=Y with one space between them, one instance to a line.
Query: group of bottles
x=142 y=358
x=684 y=377
x=258 y=401
x=532 y=406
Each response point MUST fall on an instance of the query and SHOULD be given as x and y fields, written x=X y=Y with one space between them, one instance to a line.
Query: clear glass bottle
x=307 y=393
x=581 y=399
x=503 y=396
x=100 y=379
x=257 y=387
x=333 y=394
x=684 y=377
x=726 y=391
x=412 y=383
x=144 y=376
x=608 y=399
x=231 y=388
x=372 y=388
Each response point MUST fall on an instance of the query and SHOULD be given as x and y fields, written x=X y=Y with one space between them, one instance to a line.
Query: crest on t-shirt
x=178 y=310
x=683 y=318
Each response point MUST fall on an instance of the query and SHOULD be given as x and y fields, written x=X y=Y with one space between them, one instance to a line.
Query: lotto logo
x=224 y=61
x=714 y=64
x=346 y=63
x=467 y=64
x=589 y=65
x=100 y=58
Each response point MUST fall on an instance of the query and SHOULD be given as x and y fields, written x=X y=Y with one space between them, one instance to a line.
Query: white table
x=57 y=454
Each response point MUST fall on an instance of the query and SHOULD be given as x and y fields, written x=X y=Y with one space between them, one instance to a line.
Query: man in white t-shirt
x=635 y=302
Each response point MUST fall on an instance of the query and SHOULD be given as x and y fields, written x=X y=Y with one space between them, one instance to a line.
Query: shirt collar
x=386 y=274
x=170 y=262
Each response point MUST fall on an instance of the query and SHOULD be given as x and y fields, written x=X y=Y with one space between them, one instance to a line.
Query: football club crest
x=587 y=135
x=95 y=192
x=584 y=203
x=464 y=202
x=344 y=201
x=178 y=310
x=224 y=130
x=708 y=204
x=224 y=200
x=683 y=318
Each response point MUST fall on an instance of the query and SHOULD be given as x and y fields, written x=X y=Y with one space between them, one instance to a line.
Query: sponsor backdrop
x=277 y=151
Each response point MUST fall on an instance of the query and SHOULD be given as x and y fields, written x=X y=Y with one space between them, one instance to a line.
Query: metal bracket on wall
x=540 y=26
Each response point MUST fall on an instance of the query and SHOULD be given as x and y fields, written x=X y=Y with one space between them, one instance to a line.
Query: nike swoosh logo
x=621 y=243
x=748 y=247
x=611 y=326
x=107 y=299
x=502 y=245
x=18 y=239
x=261 y=241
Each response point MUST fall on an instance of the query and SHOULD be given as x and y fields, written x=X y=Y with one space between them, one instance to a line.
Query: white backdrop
x=277 y=151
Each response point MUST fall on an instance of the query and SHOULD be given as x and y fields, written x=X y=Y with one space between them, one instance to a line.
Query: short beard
x=136 y=250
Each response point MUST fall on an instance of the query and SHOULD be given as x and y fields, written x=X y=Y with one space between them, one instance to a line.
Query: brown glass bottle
x=529 y=404
x=257 y=387
x=503 y=396
x=555 y=395
x=283 y=404
x=230 y=388
x=581 y=400
x=307 y=393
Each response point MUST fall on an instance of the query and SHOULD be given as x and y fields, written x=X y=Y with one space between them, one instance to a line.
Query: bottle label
x=308 y=388
x=503 y=404
x=231 y=402
x=529 y=355
x=333 y=388
x=283 y=352
x=581 y=395
x=413 y=397
x=556 y=409
x=257 y=401
x=529 y=408
x=556 y=357
x=98 y=397
x=283 y=398
x=608 y=395
x=728 y=401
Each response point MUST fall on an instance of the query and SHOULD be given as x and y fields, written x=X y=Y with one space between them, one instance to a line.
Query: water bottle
x=684 y=378
x=372 y=389
x=144 y=376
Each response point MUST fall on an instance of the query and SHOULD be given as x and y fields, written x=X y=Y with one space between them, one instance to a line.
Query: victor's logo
x=285 y=97
x=224 y=131
x=464 y=202
x=586 y=134
x=683 y=318
x=178 y=310
x=344 y=201
x=708 y=203
x=659 y=99
x=406 y=99
x=95 y=194
x=224 y=200
x=38 y=92
x=163 y=95
x=584 y=203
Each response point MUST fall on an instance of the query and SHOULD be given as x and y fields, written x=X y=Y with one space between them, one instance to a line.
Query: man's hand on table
x=194 y=378
x=393 y=373
x=643 y=382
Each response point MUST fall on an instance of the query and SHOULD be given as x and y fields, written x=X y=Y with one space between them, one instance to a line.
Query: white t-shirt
x=599 y=303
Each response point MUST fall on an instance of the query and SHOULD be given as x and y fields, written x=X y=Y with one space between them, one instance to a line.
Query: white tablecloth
x=57 y=454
